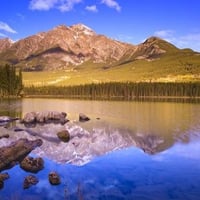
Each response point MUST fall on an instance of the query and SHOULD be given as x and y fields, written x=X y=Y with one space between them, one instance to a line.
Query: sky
x=132 y=21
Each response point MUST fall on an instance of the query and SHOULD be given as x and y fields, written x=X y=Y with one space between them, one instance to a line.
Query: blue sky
x=177 y=21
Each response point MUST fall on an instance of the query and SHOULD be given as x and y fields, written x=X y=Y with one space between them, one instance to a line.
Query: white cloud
x=92 y=8
x=164 y=33
x=112 y=4
x=2 y=35
x=5 y=27
x=62 y=5
x=191 y=40
x=42 y=4
x=167 y=35
x=191 y=37
x=67 y=5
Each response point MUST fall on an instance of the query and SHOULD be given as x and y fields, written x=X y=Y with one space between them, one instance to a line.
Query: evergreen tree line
x=116 y=90
x=10 y=81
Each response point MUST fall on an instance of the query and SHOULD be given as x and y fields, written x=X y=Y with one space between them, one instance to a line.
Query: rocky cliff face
x=64 y=47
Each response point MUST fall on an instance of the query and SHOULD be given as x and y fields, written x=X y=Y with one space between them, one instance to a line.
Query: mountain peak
x=152 y=39
x=81 y=26
x=161 y=43
x=83 y=29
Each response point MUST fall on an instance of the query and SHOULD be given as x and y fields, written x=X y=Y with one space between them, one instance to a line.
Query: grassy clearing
x=184 y=66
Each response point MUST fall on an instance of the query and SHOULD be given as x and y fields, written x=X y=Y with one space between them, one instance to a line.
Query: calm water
x=135 y=151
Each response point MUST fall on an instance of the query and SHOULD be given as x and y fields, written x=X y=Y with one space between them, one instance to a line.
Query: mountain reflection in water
x=136 y=150
x=83 y=145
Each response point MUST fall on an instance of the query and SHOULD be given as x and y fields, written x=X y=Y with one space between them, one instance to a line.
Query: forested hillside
x=10 y=81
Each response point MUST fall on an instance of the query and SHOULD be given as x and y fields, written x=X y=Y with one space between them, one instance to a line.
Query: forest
x=119 y=90
x=10 y=81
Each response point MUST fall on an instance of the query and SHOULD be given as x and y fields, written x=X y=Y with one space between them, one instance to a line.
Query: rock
x=54 y=178
x=16 y=152
x=29 y=181
x=40 y=117
x=3 y=177
x=83 y=117
x=4 y=120
x=45 y=117
x=64 y=135
x=63 y=121
x=31 y=164
x=54 y=115
x=4 y=136
x=29 y=117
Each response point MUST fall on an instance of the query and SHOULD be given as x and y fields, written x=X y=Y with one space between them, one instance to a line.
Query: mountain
x=62 y=47
x=98 y=58
x=65 y=46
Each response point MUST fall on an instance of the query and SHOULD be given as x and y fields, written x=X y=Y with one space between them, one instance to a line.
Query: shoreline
x=125 y=99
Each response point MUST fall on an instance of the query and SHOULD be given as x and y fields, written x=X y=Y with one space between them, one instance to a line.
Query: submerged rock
x=29 y=181
x=83 y=117
x=3 y=177
x=54 y=178
x=31 y=164
x=16 y=152
x=64 y=136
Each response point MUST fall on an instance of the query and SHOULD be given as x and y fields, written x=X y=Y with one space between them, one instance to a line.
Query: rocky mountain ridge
x=64 y=47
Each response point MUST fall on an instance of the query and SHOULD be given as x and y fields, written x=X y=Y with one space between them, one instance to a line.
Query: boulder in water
x=29 y=117
x=16 y=152
x=31 y=164
x=64 y=136
x=45 y=117
x=3 y=177
x=83 y=117
x=54 y=178
x=29 y=181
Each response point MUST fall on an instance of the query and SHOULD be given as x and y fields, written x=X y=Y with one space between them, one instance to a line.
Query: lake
x=139 y=150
